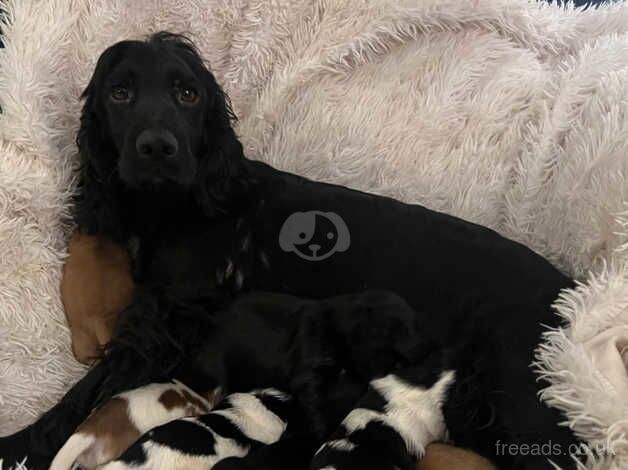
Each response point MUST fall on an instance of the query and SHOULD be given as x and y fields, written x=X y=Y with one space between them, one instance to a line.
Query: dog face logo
x=314 y=235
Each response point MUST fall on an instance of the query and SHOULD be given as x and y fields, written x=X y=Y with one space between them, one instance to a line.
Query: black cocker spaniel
x=164 y=173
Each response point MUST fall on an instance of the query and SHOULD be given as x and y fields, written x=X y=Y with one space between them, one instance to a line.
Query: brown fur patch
x=172 y=399
x=97 y=285
x=446 y=457
x=113 y=430
x=183 y=399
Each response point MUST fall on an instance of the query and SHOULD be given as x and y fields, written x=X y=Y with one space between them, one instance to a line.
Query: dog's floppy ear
x=223 y=180
x=95 y=203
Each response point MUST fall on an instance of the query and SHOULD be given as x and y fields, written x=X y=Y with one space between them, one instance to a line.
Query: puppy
x=111 y=429
x=244 y=421
x=392 y=425
x=97 y=285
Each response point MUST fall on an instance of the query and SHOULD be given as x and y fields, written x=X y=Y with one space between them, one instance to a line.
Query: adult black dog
x=162 y=166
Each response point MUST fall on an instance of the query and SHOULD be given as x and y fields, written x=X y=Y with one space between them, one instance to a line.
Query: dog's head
x=155 y=119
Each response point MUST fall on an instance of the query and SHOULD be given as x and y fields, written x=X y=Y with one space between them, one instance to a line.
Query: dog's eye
x=120 y=94
x=187 y=95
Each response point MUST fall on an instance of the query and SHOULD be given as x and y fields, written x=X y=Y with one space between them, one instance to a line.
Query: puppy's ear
x=96 y=201
x=222 y=180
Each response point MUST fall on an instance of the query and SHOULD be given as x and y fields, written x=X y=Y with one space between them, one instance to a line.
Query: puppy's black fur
x=302 y=346
x=162 y=165
x=292 y=453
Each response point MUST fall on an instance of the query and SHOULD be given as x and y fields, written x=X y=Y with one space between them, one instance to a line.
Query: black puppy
x=161 y=164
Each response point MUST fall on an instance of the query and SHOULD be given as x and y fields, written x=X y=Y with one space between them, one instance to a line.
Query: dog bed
x=509 y=113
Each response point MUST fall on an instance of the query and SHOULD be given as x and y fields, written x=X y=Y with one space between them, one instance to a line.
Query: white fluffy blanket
x=513 y=114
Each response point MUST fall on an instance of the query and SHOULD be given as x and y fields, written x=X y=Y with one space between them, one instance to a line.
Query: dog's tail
x=77 y=445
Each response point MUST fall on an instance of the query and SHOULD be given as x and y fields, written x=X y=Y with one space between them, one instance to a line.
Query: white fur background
x=510 y=113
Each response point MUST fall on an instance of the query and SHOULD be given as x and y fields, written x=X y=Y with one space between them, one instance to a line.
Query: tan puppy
x=446 y=457
x=96 y=286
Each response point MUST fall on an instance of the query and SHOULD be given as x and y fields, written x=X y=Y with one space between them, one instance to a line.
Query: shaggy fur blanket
x=509 y=113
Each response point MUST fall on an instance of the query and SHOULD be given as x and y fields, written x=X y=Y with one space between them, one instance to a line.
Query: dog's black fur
x=206 y=217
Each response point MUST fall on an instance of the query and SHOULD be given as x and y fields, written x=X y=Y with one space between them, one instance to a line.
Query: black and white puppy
x=112 y=428
x=244 y=421
x=391 y=426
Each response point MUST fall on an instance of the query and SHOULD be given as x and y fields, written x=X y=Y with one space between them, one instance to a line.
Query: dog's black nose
x=156 y=143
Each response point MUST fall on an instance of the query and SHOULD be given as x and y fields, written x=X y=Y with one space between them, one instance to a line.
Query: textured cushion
x=509 y=113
